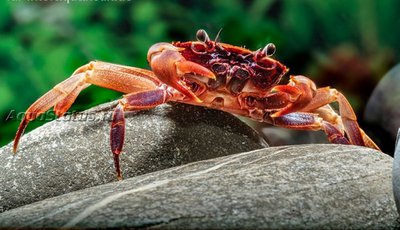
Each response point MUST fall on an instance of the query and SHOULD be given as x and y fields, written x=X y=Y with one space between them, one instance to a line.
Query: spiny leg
x=130 y=102
x=116 y=77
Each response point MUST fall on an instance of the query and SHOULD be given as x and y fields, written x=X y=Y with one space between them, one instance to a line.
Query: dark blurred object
x=352 y=72
x=383 y=109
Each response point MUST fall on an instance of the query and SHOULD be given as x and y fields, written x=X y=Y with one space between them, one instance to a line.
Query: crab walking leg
x=47 y=101
x=310 y=122
x=348 y=119
x=116 y=77
x=62 y=107
x=120 y=78
x=117 y=136
x=130 y=102
x=312 y=100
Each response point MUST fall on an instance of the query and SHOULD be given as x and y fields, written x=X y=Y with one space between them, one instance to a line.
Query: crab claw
x=158 y=48
x=187 y=67
x=171 y=67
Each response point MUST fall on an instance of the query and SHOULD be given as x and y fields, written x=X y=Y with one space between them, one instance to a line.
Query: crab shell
x=237 y=70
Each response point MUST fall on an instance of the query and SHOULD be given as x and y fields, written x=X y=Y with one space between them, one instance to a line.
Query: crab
x=211 y=74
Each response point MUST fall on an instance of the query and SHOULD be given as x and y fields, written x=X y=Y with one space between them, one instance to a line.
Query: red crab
x=211 y=74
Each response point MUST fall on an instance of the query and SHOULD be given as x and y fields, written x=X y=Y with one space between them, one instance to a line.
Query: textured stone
x=310 y=186
x=62 y=156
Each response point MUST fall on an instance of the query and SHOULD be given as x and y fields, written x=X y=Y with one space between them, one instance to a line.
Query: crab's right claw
x=162 y=54
x=188 y=67
x=170 y=66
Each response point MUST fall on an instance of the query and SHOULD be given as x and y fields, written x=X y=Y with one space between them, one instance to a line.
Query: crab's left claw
x=170 y=67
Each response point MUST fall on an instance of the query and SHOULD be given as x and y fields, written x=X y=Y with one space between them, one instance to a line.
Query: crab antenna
x=217 y=37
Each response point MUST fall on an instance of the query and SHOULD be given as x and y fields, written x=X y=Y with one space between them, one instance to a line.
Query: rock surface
x=62 y=156
x=311 y=186
x=383 y=106
x=396 y=173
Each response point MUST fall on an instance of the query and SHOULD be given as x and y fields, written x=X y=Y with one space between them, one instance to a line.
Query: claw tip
x=198 y=100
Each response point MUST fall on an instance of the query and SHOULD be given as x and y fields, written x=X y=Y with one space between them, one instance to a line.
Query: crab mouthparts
x=189 y=85
x=189 y=75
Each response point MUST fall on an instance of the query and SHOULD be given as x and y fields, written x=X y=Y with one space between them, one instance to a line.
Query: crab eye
x=269 y=49
x=202 y=36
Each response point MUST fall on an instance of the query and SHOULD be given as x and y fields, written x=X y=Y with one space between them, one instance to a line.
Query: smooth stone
x=73 y=153
x=383 y=106
x=310 y=186
x=396 y=173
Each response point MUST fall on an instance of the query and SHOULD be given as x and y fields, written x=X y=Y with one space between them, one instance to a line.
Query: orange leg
x=116 y=77
x=347 y=118
x=134 y=101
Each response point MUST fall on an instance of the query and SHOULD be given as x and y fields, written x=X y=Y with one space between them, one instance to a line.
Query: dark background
x=346 y=44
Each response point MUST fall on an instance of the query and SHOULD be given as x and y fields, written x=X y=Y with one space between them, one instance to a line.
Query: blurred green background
x=347 y=44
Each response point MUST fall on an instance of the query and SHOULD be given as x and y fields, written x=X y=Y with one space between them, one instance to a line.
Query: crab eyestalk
x=202 y=36
x=269 y=49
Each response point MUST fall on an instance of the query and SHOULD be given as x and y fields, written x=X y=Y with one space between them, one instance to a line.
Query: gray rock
x=396 y=173
x=310 y=186
x=62 y=156
x=383 y=106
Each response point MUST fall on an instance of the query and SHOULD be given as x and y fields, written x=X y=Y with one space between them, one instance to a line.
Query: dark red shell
x=233 y=62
